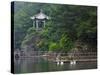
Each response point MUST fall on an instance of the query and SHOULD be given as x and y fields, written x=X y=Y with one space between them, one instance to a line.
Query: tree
x=68 y=24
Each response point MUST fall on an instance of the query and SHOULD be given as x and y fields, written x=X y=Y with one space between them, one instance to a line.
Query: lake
x=39 y=64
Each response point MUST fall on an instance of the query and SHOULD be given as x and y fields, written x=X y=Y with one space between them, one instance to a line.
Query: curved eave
x=40 y=16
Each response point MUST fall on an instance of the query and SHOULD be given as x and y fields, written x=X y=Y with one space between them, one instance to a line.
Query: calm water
x=29 y=65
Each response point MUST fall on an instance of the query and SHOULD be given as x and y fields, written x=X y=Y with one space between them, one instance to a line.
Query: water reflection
x=38 y=64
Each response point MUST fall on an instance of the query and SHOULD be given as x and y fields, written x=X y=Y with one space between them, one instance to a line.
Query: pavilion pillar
x=37 y=25
x=33 y=24
x=44 y=24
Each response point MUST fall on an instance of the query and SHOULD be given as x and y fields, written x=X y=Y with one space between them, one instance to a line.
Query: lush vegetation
x=69 y=27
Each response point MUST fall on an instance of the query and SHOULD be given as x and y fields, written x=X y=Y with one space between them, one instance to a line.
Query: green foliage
x=53 y=46
x=65 y=43
x=31 y=30
x=68 y=23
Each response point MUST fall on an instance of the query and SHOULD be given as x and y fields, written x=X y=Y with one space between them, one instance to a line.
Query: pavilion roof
x=40 y=15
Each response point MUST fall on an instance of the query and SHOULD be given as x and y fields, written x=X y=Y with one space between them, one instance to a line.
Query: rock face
x=29 y=45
